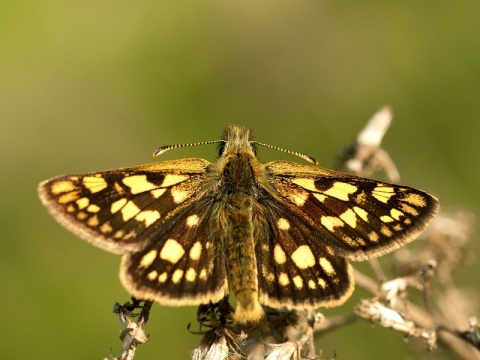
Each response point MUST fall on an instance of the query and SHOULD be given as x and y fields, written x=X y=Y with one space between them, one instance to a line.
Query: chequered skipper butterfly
x=278 y=234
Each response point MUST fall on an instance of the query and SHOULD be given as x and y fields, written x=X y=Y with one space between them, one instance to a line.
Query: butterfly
x=277 y=234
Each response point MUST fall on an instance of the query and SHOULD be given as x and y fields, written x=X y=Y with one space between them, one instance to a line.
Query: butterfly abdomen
x=238 y=235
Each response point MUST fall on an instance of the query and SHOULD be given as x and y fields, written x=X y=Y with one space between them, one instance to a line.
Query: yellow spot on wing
x=349 y=241
x=129 y=211
x=148 y=217
x=172 y=251
x=158 y=192
x=279 y=255
x=361 y=198
x=105 y=228
x=361 y=241
x=192 y=220
x=94 y=183
x=179 y=195
x=68 y=197
x=283 y=224
x=386 y=231
x=177 y=276
x=303 y=257
x=171 y=179
x=117 y=205
x=190 y=275
x=298 y=282
x=307 y=184
x=415 y=200
x=148 y=259
x=93 y=221
x=62 y=186
x=360 y=212
x=93 y=208
x=283 y=279
x=138 y=184
x=386 y=218
x=409 y=209
x=396 y=214
x=152 y=275
x=322 y=283
x=196 y=251
x=341 y=190
x=162 y=277
x=83 y=203
x=383 y=193
x=326 y=266
x=119 y=234
x=373 y=236
x=350 y=218
x=270 y=277
x=320 y=197
x=298 y=197
x=118 y=188
x=330 y=222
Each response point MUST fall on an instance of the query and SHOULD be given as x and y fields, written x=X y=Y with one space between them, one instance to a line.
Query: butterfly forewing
x=119 y=210
x=356 y=217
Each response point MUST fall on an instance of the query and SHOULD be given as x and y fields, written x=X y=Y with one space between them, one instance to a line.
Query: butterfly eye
x=221 y=148
x=254 y=148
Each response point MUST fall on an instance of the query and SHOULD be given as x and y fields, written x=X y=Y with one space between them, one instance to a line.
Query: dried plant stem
x=447 y=337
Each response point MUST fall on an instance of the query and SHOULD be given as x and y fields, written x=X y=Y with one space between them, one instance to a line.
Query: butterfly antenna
x=164 y=149
x=306 y=157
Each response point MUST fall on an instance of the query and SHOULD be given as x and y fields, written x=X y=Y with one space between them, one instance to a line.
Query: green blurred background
x=93 y=85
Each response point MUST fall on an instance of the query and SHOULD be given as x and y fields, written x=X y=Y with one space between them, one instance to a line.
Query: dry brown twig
x=444 y=317
x=132 y=334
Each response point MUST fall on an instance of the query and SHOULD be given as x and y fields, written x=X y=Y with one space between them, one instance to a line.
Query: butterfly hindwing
x=179 y=265
x=296 y=269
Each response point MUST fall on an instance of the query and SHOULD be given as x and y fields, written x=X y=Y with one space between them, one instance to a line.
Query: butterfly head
x=237 y=139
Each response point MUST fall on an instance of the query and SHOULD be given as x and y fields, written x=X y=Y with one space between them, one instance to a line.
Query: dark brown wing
x=311 y=220
x=152 y=214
